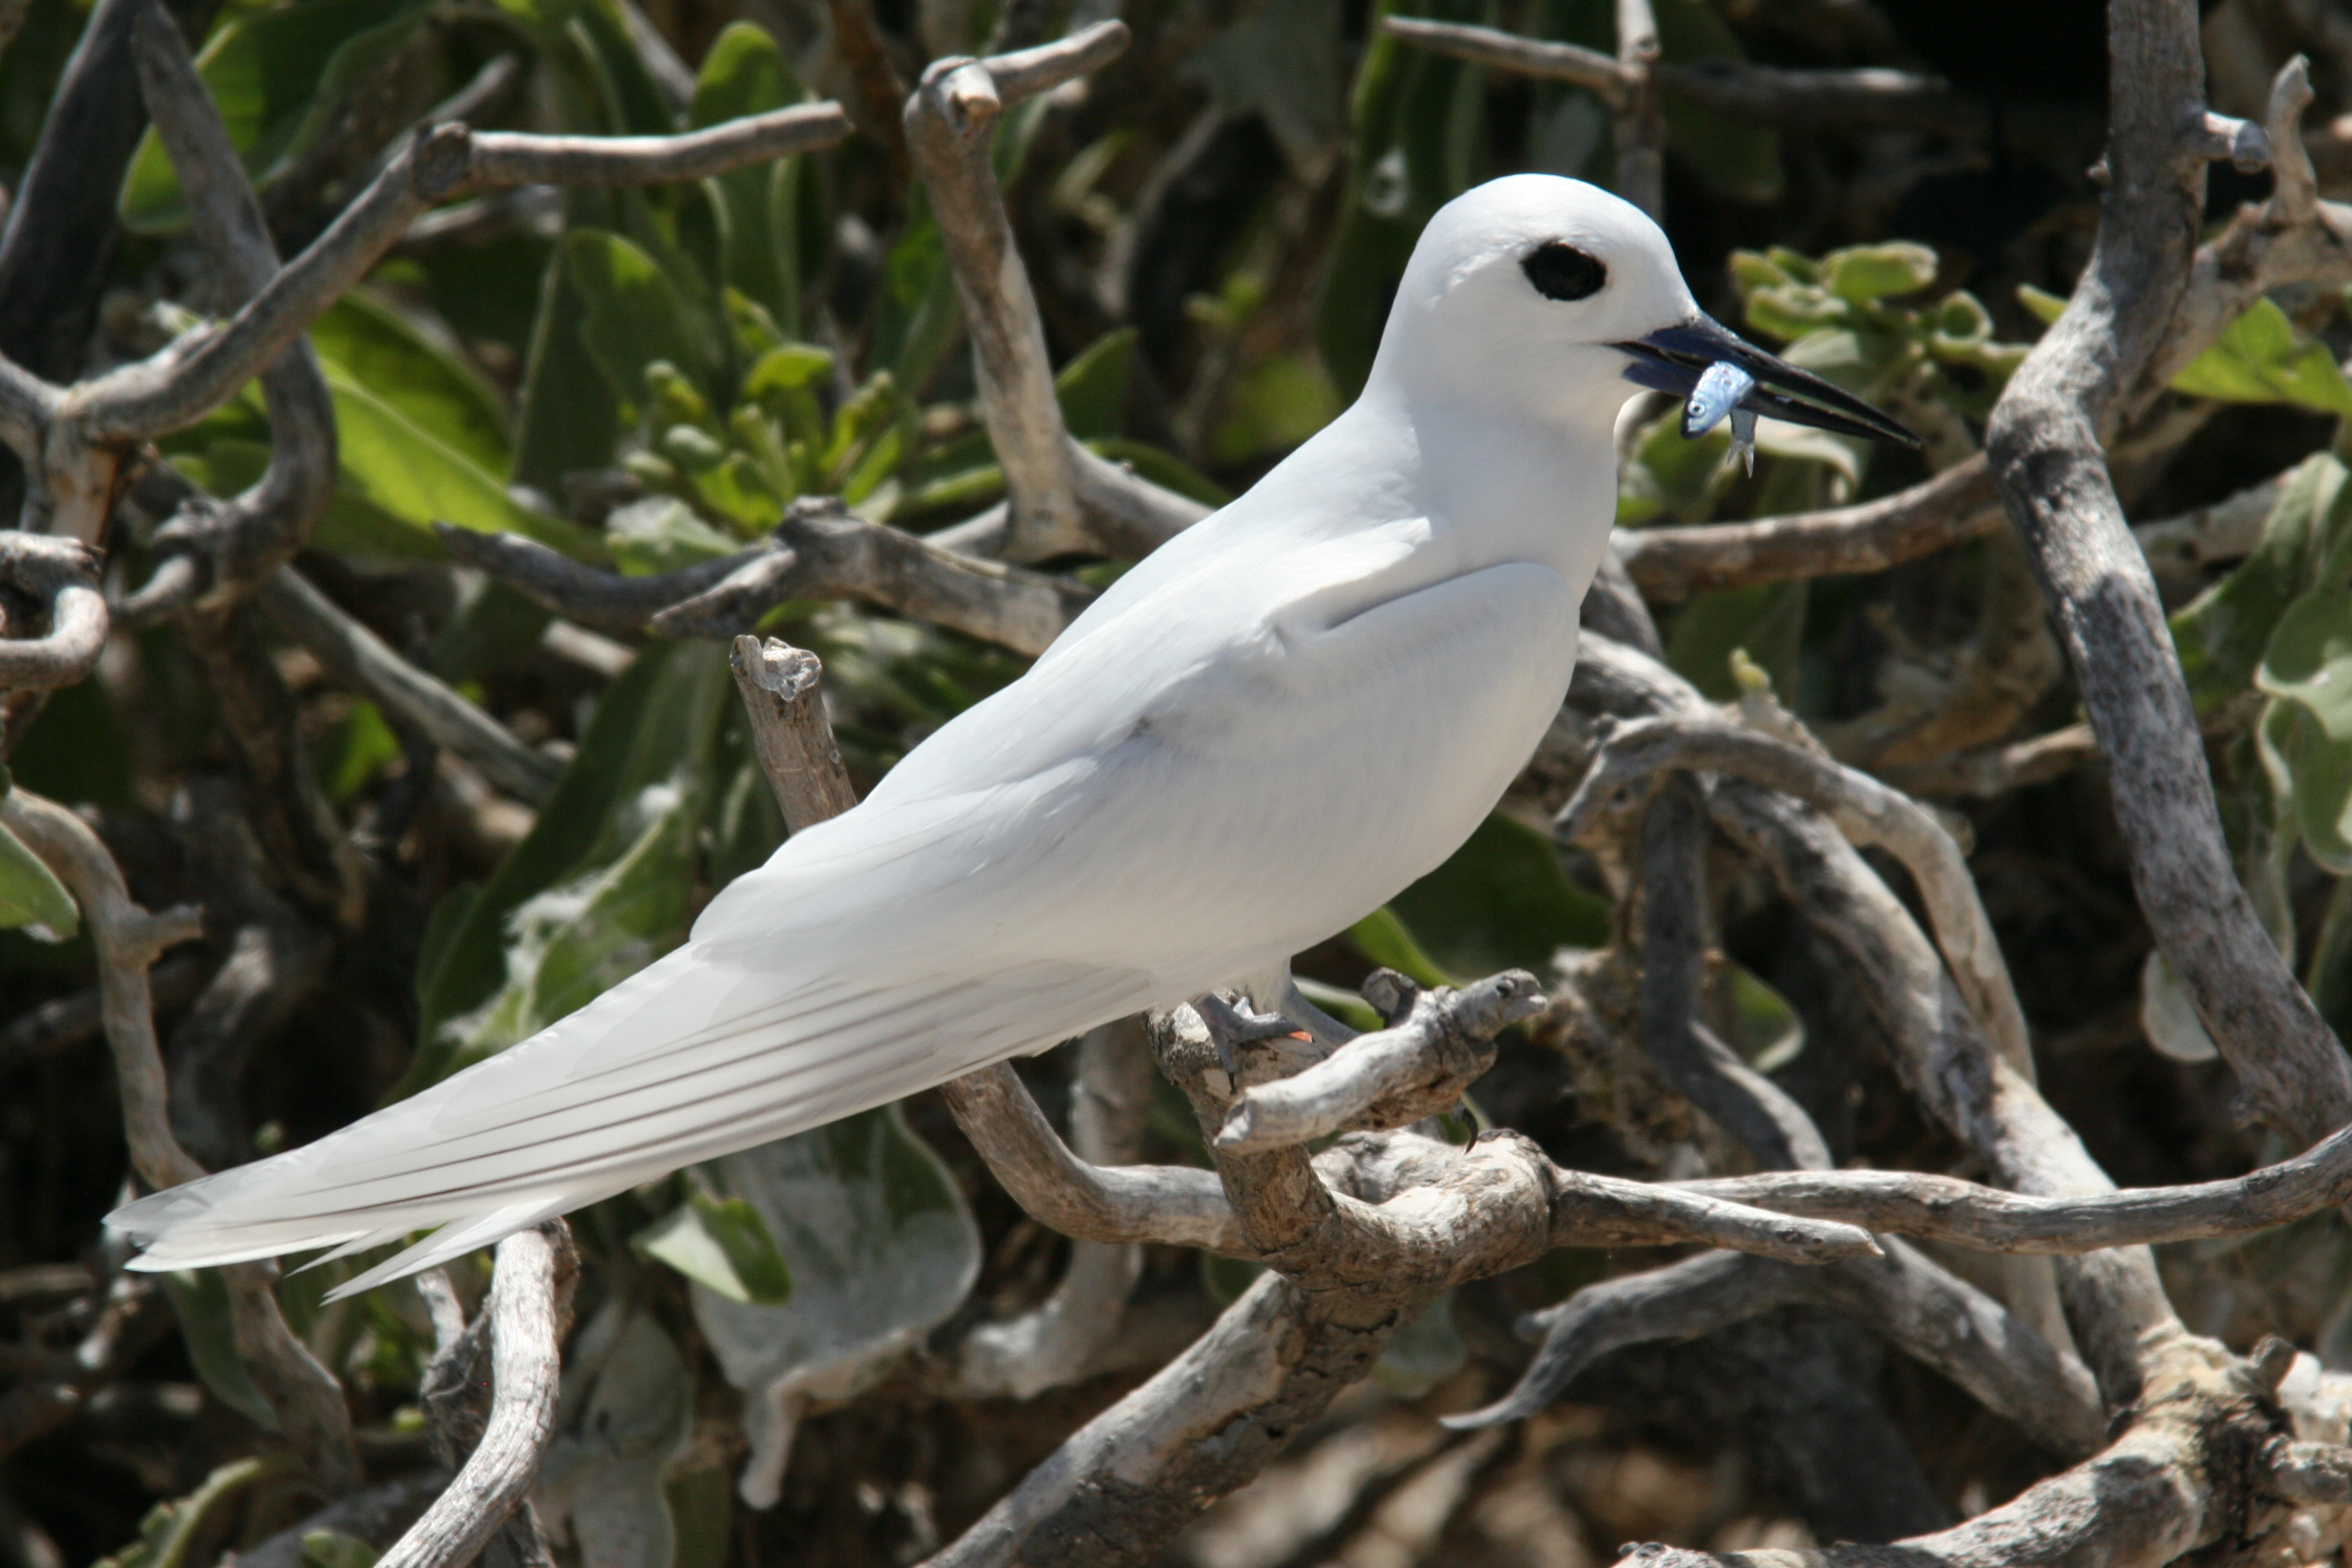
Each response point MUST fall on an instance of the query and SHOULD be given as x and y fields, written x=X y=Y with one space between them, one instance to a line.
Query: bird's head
x=1558 y=297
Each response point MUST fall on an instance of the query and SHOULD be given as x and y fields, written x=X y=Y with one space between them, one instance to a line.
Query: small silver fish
x=1721 y=390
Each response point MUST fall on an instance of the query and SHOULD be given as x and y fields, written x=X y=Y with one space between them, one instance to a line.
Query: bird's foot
x=1231 y=1024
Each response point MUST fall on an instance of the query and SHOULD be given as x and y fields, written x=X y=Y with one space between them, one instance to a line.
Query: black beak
x=1673 y=359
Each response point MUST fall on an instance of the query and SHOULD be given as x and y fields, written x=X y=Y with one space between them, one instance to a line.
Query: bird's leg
x=1234 y=1023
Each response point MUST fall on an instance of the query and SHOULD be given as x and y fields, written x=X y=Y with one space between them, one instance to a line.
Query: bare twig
x=819 y=550
x=1110 y=1098
x=1437 y=1044
x=304 y=1394
x=195 y=374
x=1172 y=1205
x=1988 y=774
x=238 y=544
x=1773 y=94
x=2292 y=237
x=1640 y=128
x=782 y=688
x=1926 y=1311
x=2043 y=445
x=1671 y=564
x=1710 y=1074
x=60 y=576
x=1064 y=499
x=1945 y=1209
x=1865 y=810
x=359 y=659
x=949 y=122
x=528 y=1308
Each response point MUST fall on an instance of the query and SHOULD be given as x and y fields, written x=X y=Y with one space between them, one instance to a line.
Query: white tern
x=1269 y=727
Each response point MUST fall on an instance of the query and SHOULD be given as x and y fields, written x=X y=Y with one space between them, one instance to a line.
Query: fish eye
x=1561 y=271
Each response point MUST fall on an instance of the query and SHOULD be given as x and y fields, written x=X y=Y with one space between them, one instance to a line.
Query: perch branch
x=1439 y=1043
x=1174 y=1206
x=1864 y=809
x=1055 y=1344
x=359 y=659
x=61 y=576
x=2043 y=442
x=528 y=1308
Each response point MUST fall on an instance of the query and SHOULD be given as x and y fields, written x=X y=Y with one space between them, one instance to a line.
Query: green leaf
x=2259 y=358
x=621 y=817
x=2044 y=306
x=403 y=471
x=375 y=345
x=881 y=1249
x=1382 y=938
x=631 y=312
x=354 y=749
x=1275 y=404
x=1770 y=1034
x=2316 y=765
x=745 y=73
x=627 y=1412
x=719 y=1242
x=1735 y=157
x=1092 y=388
x=918 y=316
x=1867 y=272
x=329 y=1549
x=2221 y=634
x=2309 y=660
x=1767 y=620
x=1419 y=141
x=30 y=893
x=279 y=78
x=570 y=420
x=1500 y=901
x=200 y=1300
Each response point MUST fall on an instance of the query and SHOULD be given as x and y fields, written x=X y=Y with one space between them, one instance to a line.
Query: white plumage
x=1262 y=731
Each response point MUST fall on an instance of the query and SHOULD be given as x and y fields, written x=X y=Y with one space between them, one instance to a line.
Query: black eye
x=1563 y=272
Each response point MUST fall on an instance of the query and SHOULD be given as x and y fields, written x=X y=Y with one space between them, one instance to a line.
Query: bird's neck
x=1501 y=481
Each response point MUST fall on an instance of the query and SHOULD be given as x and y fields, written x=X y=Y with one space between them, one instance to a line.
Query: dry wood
x=360 y=660
x=782 y=688
x=1437 y=1045
x=239 y=543
x=1903 y=1298
x=819 y=550
x=59 y=576
x=1064 y=499
x=306 y=1399
x=2043 y=442
x=530 y=1306
x=1864 y=809
x=1640 y=124
x=1671 y=564
x=1710 y=1075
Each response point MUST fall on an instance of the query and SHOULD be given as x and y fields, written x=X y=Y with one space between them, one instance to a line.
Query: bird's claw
x=1231 y=1024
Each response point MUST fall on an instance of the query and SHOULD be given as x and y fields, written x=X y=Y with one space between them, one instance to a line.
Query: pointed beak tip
x=1677 y=359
